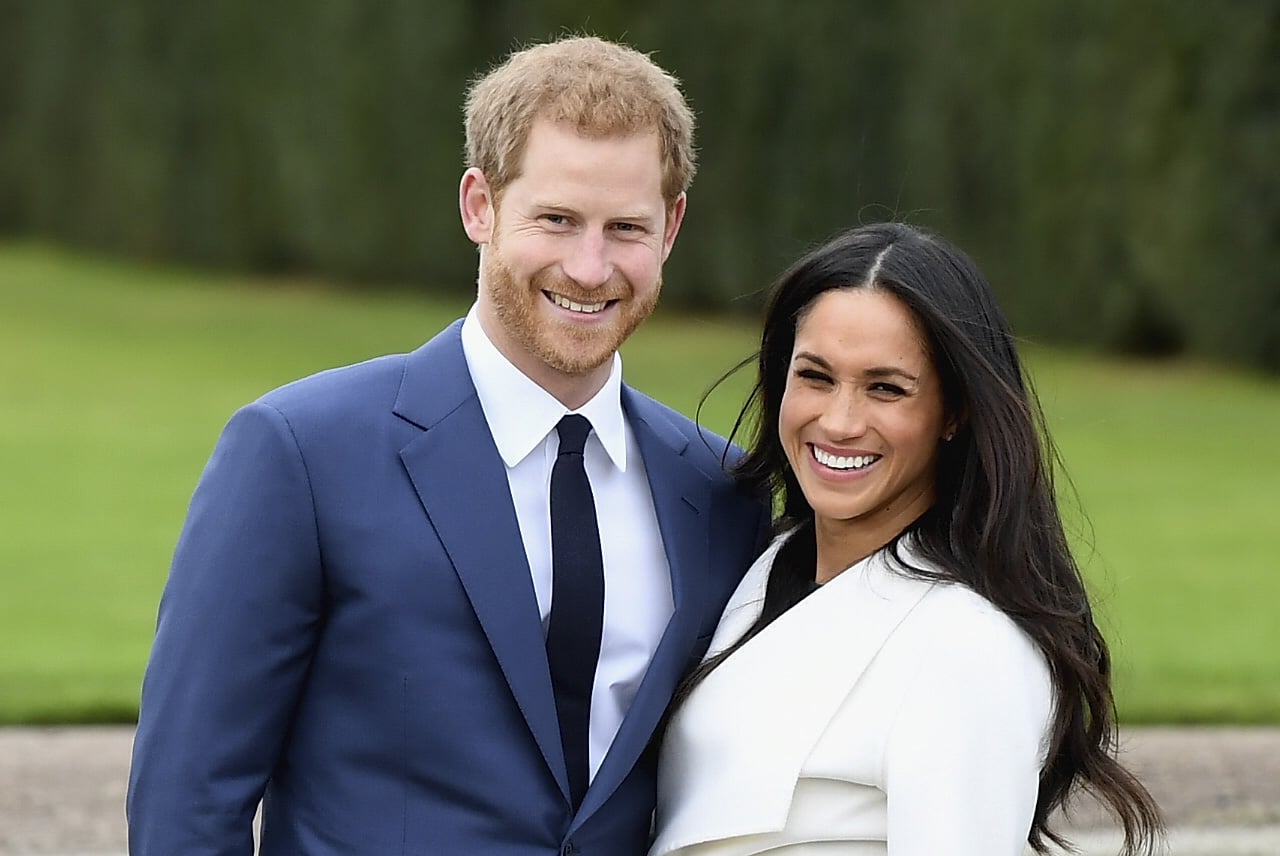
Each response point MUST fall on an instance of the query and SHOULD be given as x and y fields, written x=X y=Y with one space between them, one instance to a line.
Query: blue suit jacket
x=350 y=633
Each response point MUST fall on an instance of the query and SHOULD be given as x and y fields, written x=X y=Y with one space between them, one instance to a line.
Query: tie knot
x=573 y=430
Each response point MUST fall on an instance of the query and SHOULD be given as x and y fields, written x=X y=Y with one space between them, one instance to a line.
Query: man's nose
x=588 y=261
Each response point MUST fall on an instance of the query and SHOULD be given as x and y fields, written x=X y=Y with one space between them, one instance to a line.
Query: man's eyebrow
x=548 y=205
x=636 y=215
x=553 y=205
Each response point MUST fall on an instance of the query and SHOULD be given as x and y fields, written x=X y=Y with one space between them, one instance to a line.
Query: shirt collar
x=521 y=414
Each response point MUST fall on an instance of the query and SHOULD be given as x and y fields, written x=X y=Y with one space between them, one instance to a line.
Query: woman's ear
x=952 y=426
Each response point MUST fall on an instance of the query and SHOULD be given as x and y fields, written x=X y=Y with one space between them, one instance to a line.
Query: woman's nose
x=843 y=417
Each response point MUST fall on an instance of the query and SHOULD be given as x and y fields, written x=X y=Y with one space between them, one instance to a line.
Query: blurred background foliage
x=1112 y=166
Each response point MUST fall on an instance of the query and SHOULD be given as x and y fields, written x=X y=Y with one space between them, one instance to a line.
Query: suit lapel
x=681 y=495
x=462 y=484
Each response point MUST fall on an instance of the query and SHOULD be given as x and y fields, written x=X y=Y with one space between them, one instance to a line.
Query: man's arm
x=238 y=622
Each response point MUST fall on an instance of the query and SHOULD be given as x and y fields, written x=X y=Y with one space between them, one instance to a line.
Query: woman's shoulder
x=963 y=623
x=975 y=618
x=968 y=637
x=959 y=652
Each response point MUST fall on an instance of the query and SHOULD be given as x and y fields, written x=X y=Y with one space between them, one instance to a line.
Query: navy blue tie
x=577 y=600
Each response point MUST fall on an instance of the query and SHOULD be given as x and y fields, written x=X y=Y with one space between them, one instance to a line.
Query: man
x=390 y=617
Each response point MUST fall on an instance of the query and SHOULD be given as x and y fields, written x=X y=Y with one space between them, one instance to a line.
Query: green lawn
x=1178 y=470
x=115 y=380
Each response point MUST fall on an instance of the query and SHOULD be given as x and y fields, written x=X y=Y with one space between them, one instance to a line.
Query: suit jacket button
x=568 y=849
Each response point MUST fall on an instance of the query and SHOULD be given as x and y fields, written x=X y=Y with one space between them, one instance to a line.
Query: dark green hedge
x=1112 y=165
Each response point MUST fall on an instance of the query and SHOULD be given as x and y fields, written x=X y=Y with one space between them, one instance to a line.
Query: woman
x=912 y=667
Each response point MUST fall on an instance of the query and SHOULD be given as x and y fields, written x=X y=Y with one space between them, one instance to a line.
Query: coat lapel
x=681 y=495
x=787 y=682
x=462 y=484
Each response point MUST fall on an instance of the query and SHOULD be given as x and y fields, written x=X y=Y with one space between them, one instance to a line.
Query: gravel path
x=62 y=790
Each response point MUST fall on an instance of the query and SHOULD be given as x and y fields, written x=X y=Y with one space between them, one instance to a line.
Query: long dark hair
x=995 y=525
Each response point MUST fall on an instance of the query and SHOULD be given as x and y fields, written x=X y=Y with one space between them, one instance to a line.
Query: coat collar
x=788 y=682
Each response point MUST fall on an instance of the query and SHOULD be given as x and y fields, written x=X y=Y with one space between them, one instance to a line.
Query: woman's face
x=862 y=413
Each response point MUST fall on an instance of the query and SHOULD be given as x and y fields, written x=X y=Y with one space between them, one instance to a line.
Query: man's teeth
x=574 y=306
x=842 y=462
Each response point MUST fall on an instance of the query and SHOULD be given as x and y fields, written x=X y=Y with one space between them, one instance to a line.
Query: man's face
x=572 y=252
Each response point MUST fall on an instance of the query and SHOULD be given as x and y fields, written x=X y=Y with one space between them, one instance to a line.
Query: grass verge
x=115 y=380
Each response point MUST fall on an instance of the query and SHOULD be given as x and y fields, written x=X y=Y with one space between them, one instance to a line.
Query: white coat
x=883 y=714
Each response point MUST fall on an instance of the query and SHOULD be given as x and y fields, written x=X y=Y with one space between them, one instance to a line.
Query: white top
x=881 y=715
x=638 y=603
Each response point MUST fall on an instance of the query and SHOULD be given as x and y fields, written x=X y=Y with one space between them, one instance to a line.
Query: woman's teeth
x=842 y=462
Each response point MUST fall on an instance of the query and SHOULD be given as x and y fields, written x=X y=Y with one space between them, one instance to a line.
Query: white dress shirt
x=522 y=417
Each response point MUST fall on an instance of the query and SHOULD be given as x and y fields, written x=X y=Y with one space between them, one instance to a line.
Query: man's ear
x=476 y=204
x=674 y=218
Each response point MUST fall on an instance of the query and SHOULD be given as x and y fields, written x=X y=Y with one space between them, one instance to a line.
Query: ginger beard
x=535 y=324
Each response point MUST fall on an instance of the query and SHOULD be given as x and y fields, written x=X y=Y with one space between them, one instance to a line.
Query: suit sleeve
x=962 y=761
x=237 y=624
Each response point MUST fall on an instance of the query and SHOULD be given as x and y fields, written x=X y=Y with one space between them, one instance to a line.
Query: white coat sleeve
x=963 y=757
